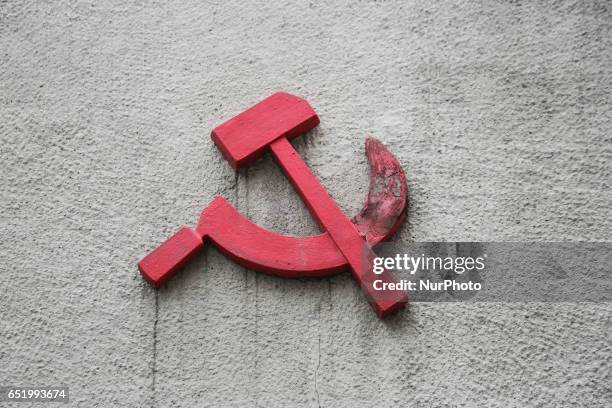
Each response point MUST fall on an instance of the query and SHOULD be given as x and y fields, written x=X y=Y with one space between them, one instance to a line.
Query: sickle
x=260 y=249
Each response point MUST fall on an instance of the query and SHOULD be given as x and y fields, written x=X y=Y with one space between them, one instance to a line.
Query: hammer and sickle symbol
x=270 y=124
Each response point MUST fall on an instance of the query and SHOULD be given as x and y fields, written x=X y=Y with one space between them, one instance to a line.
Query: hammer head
x=244 y=138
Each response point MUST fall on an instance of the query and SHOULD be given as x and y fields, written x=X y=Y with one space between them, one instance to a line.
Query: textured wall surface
x=501 y=113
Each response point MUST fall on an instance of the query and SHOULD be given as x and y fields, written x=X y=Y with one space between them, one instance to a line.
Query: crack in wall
x=316 y=383
x=256 y=275
x=244 y=208
x=316 y=379
x=154 y=363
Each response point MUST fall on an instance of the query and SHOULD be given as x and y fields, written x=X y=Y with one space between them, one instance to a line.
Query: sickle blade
x=384 y=209
x=308 y=256
x=289 y=256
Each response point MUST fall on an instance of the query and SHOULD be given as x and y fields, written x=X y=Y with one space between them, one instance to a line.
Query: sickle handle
x=165 y=260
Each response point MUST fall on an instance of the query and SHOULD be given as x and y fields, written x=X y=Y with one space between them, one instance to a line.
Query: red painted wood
x=163 y=262
x=254 y=247
x=263 y=250
x=330 y=218
x=245 y=137
x=385 y=207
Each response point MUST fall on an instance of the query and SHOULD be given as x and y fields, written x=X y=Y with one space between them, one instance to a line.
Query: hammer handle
x=344 y=234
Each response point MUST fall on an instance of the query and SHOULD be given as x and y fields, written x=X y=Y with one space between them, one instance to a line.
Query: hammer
x=270 y=124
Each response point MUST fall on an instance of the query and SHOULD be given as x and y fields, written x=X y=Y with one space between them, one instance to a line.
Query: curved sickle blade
x=385 y=207
x=289 y=256
x=309 y=256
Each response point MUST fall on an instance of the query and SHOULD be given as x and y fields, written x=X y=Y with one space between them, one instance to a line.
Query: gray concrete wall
x=499 y=111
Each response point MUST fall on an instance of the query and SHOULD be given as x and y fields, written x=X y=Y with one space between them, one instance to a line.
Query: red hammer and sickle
x=269 y=125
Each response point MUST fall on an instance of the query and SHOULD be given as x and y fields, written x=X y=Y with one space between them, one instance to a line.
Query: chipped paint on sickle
x=385 y=206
